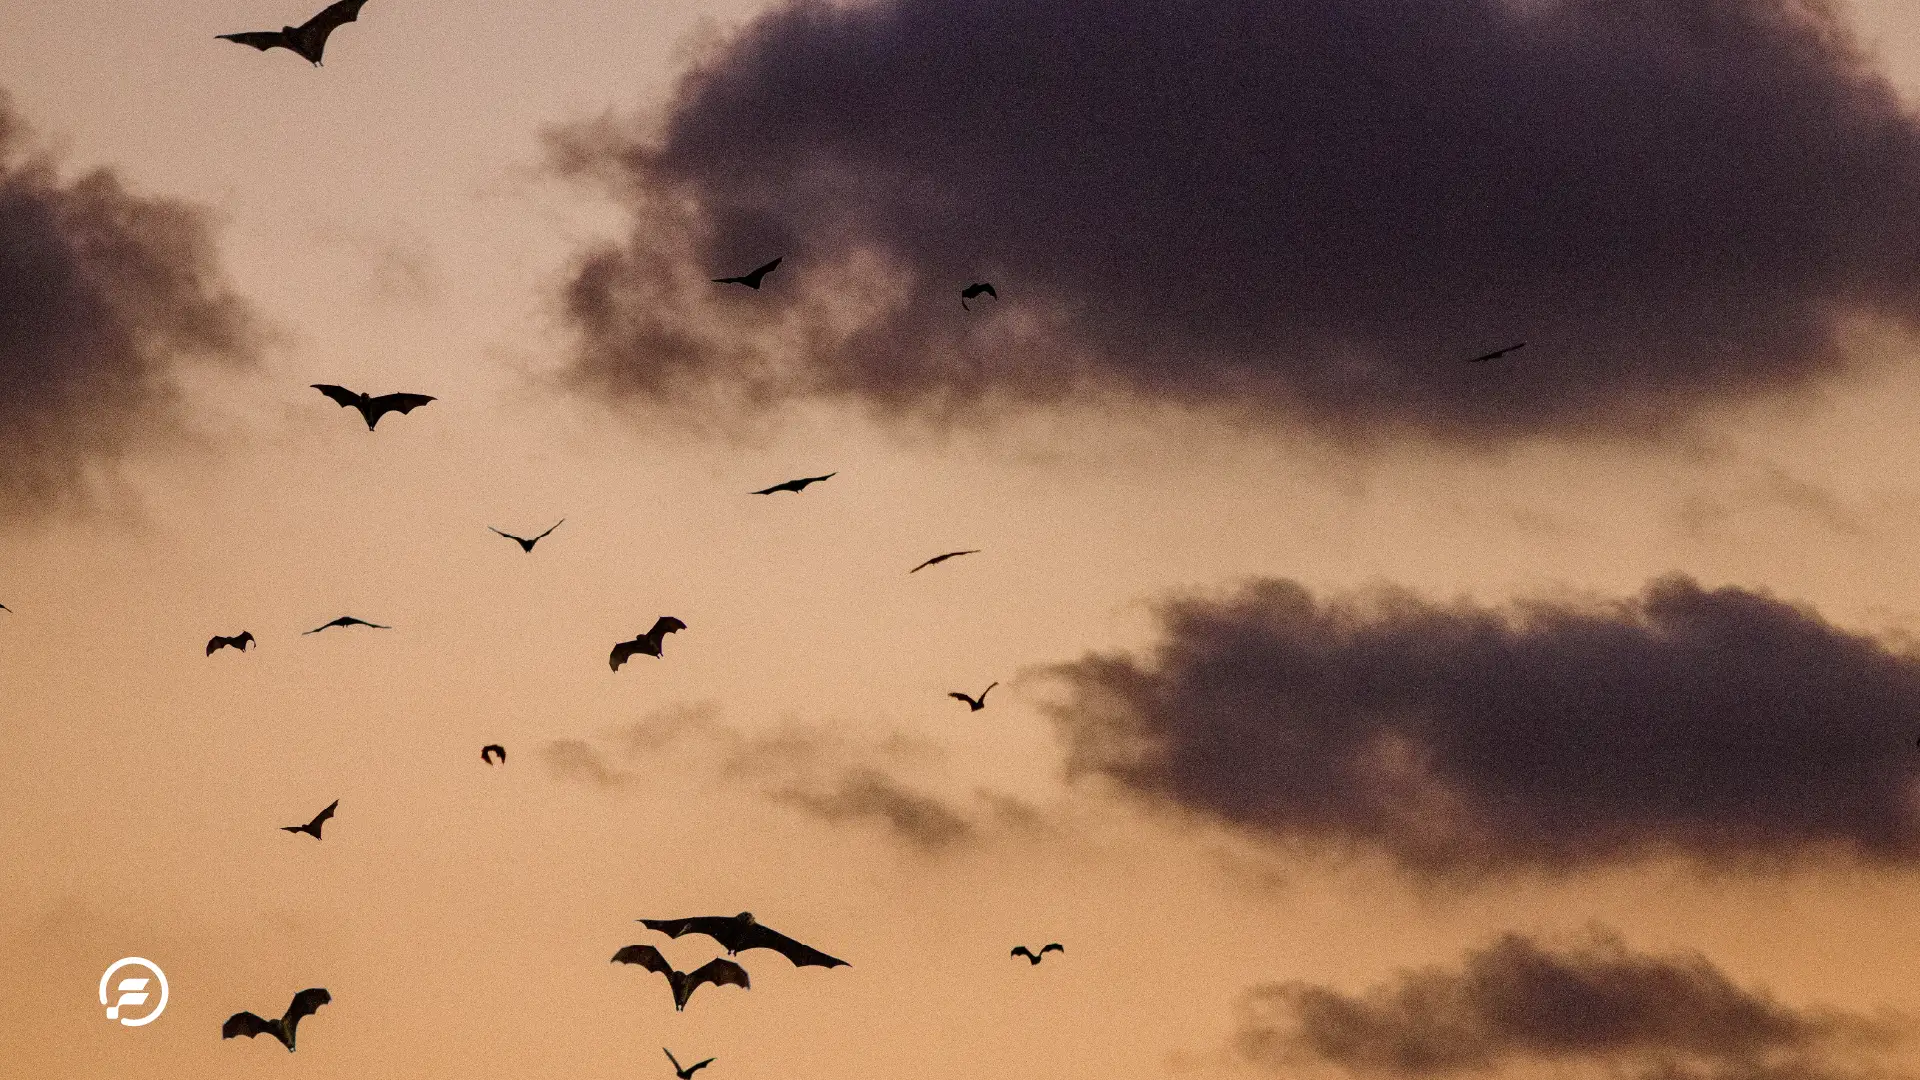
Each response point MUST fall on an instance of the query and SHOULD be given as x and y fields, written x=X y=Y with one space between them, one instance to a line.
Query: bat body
x=1495 y=354
x=974 y=704
x=942 y=558
x=974 y=290
x=487 y=752
x=526 y=545
x=752 y=280
x=373 y=408
x=345 y=620
x=648 y=643
x=795 y=485
x=239 y=641
x=687 y=1072
x=1034 y=957
x=309 y=39
x=312 y=828
x=718 y=971
x=305 y=1003
x=740 y=932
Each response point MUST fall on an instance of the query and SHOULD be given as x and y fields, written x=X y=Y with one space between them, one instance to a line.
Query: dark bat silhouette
x=975 y=290
x=312 y=828
x=526 y=545
x=795 y=485
x=942 y=558
x=1033 y=957
x=752 y=280
x=687 y=1072
x=309 y=39
x=740 y=933
x=718 y=971
x=490 y=749
x=1495 y=354
x=345 y=620
x=305 y=1003
x=373 y=408
x=974 y=704
x=648 y=643
x=239 y=641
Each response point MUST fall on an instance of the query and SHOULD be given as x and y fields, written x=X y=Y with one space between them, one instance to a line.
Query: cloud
x=1313 y=210
x=1463 y=741
x=107 y=295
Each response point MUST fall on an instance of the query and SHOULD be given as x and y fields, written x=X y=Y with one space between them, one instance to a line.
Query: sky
x=1364 y=713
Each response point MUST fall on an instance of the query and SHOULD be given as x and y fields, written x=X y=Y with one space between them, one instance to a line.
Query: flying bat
x=687 y=1072
x=345 y=620
x=1033 y=957
x=1495 y=354
x=752 y=280
x=239 y=641
x=526 y=545
x=373 y=408
x=309 y=39
x=740 y=933
x=975 y=290
x=974 y=704
x=648 y=643
x=718 y=971
x=311 y=828
x=305 y=1003
x=487 y=752
x=941 y=559
x=795 y=485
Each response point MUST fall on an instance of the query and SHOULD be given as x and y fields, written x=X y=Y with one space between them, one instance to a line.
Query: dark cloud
x=1723 y=726
x=103 y=294
x=1315 y=209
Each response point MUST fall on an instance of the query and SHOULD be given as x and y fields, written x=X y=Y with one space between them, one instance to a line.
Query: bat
x=1033 y=957
x=795 y=485
x=941 y=559
x=1495 y=354
x=373 y=408
x=345 y=620
x=526 y=545
x=718 y=971
x=974 y=704
x=487 y=752
x=752 y=280
x=974 y=290
x=687 y=1072
x=311 y=828
x=741 y=933
x=239 y=641
x=305 y=1003
x=648 y=643
x=309 y=39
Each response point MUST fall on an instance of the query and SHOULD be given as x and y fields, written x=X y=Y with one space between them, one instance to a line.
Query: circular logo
x=133 y=993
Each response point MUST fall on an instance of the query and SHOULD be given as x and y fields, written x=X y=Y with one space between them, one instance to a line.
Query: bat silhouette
x=974 y=704
x=305 y=1003
x=718 y=971
x=312 y=828
x=752 y=280
x=309 y=39
x=740 y=933
x=795 y=485
x=975 y=290
x=1495 y=354
x=526 y=545
x=687 y=1072
x=1033 y=957
x=239 y=641
x=345 y=620
x=941 y=559
x=487 y=752
x=648 y=643
x=373 y=408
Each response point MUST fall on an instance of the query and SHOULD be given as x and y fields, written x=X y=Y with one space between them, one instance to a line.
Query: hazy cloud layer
x=103 y=294
x=1316 y=209
x=1722 y=725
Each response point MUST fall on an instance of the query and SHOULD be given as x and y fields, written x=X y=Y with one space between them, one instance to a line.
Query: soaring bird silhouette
x=345 y=620
x=309 y=39
x=687 y=1072
x=526 y=545
x=942 y=558
x=648 y=643
x=1495 y=354
x=795 y=485
x=312 y=828
x=751 y=280
x=975 y=290
x=718 y=971
x=974 y=704
x=373 y=408
x=492 y=748
x=239 y=641
x=1035 y=957
x=740 y=933
x=305 y=1003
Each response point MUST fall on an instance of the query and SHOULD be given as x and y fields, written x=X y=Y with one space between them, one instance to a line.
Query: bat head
x=744 y=917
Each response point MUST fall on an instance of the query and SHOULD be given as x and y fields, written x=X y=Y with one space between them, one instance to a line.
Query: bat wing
x=698 y=1065
x=307 y=1001
x=665 y=624
x=1053 y=947
x=765 y=270
x=756 y=936
x=719 y=971
x=245 y=1023
x=510 y=536
x=215 y=643
x=789 y=485
x=622 y=652
x=957 y=694
x=319 y=820
x=331 y=16
x=718 y=927
x=347 y=398
x=1022 y=950
x=262 y=40
x=400 y=403
x=646 y=956
x=549 y=531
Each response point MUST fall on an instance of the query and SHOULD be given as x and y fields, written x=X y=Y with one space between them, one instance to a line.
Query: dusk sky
x=1365 y=713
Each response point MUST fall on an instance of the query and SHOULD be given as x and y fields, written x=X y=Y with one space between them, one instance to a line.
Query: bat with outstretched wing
x=1495 y=354
x=309 y=39
x=526 y=545
x=305 y=1003
x=750 y=280
x=938 y=559
x=795 y=485
x=648 y=643
x=373 y=408
x=312 y=828
x=718 y=971
x=239 y=641
x=685 y=1072
x=976 y=289
x=974 y=704
x=345 y=621
x=1033 y=957
x=741 y=932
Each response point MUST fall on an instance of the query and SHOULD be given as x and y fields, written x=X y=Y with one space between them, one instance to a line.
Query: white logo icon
x=133 y=992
